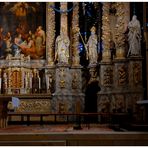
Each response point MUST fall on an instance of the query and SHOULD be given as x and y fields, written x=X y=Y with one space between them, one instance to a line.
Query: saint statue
x=62 y=48
x=134 y=37
x=92 y=47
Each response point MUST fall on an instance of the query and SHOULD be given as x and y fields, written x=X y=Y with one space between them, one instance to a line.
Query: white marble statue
x=134 y=37
x=92 y=47
x=62 y=48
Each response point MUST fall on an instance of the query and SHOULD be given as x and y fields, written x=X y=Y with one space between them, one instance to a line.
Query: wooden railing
x=78 y=118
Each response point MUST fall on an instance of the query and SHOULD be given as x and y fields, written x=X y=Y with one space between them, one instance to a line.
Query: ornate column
x=68 y=80
x=64 y=20
x=75 y=35
x=106 y=54
x=120 y=30
x=50 y=31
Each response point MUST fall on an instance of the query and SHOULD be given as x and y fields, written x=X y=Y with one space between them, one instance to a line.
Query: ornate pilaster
x=50 y=31
x=121 y=75
x=75 y=35
x=106 y=54
x=120 y=30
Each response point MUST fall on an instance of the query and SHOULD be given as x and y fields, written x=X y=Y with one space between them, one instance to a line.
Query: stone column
x=64 y=20
x=106 y=35
x=50 y=31
x=75 y=35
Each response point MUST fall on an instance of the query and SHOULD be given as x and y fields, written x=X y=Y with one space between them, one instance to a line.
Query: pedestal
x=68 y=96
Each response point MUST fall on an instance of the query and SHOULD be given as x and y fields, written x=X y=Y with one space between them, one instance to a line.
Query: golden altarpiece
x=54 y=83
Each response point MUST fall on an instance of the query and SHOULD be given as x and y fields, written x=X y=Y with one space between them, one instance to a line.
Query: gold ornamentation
x=118 y=103
x=120 y=30
x=62 y=83
x=62 y=78
x=93 y=75
x=108 y=77
x=137 y=73
x=104 y=104
x=62 y=107
x=50 y=23
x=106 y=33
x=75 y=35
x=122 y=71
x=74 y=80
x=34 y=106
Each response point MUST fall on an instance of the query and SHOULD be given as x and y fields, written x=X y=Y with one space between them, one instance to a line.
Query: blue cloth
x=15 y=102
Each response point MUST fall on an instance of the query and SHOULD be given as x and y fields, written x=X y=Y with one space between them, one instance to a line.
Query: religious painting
x=22 y=29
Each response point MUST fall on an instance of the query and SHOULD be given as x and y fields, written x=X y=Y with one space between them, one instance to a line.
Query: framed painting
x=22 y=29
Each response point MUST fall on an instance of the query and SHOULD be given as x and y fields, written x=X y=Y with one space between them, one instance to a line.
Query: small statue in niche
x=43 y=81
x=35 y=82
x=62 y=48
x=92 y=47
x=134 y=37
x=50 y=83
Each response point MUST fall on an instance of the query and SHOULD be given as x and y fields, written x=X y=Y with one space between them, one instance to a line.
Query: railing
x=77 y=118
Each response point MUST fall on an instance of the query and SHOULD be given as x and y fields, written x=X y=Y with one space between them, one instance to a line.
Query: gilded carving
x=118 y=103
x=62 y=75
x=63 y=7
x=106 y=33
x=137 y=73
x=34 y=106
x=120 y=30
x=122 y=71
x=62 y=107
x=75 y=35
x=50 y=29
x=74 y=80
x=104 y=104
x=93 y=75
x=108 y=77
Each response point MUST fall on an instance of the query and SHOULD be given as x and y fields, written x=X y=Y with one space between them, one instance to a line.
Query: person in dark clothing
x=91 y=99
